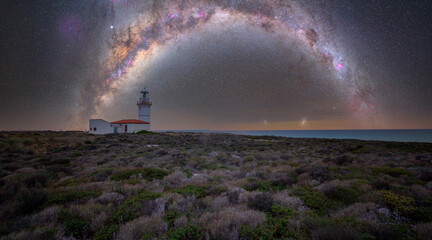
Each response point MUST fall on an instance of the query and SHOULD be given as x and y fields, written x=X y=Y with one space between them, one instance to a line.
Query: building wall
x=131 y=128
x=144 y=113
x=101 y=126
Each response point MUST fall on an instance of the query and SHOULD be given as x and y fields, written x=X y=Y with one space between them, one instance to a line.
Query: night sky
x=221 y=64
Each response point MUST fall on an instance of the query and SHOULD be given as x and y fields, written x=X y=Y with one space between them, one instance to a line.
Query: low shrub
x=380 y=184
x=113 y=197
x=313 y=199
x=146 y=173
x=40 y=233
x=320 y=173
x=335 y=232
x=189 y=232
x=281 y=212
x=262 y=202
x=424 y=231
x=347 y=195
x=101 y=175
x=74 y=225
x=200 y=191
x=107 y=232
x=234 y=196
x=36 y=178
x=272 y=229
x=171 y=216
x=28 y=200
x=394 y=172
x=421 y=214
x=145 y=132
x=359 y=211
x=72 y=195
x=175 y=178
x=143 y=228
x=391 y=231
x=426 y=175
x=264 y=186
x=347 y=173
x=399 y=203
x=276 y=226
x=71 y=182
x=130 y=209
x=341 y=160
x=281 y=178
x=224 y=225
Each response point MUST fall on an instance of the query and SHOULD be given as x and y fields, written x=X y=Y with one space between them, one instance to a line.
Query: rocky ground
x=72 y=185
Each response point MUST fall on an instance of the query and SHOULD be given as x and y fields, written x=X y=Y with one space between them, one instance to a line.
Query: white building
x=100 y=126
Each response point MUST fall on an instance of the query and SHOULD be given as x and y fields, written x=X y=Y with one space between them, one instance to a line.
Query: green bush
x=273 y=228
x=71 y=182
x=145 y=132
x=171 y=216
x=189 y=232
x=74 y=225
x=340 y=160
x=107 y=232
x=75 y=154
x=394 y=172
x=146 y=173
x=422 y=214
x=33 y=179
x=391 y=231
x=130 y=209
x=400 y=203
x=47 y=233
x=347 y=195
x=313 y=199
x=65 y=196
x=264 y=186
x=336 y=232
x=380 y=184
x=101 y=175
x=200 y=191
x=278 y=211
x=28 y=200
x=276 y=226
x=262 y=202
x=347 y=173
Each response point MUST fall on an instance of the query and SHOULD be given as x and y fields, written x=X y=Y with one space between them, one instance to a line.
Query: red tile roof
x=130 y=121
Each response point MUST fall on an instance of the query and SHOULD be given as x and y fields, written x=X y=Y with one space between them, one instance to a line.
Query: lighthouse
x=144 y=106
x=100 y=126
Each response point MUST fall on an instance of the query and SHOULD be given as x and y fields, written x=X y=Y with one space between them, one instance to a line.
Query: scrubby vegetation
x=72 y=185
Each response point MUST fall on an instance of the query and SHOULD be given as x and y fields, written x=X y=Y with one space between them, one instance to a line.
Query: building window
x=95 y=129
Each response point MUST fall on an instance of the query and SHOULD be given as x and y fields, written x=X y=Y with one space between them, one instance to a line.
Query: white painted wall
x=131 y=128
x=144 y=113
x=102 y=126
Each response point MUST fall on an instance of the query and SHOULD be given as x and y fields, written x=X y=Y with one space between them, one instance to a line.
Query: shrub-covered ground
x=72 y=185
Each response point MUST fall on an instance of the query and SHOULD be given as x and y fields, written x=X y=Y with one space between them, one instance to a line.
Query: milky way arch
x=162 y=21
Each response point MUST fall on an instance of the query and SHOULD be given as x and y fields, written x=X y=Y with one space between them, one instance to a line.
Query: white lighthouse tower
x=144 y=106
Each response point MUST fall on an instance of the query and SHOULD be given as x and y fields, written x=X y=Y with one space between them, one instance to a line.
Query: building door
x=115 y=129
x=125 y=128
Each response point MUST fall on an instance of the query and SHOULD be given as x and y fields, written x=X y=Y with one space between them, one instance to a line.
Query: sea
x=395 y=135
